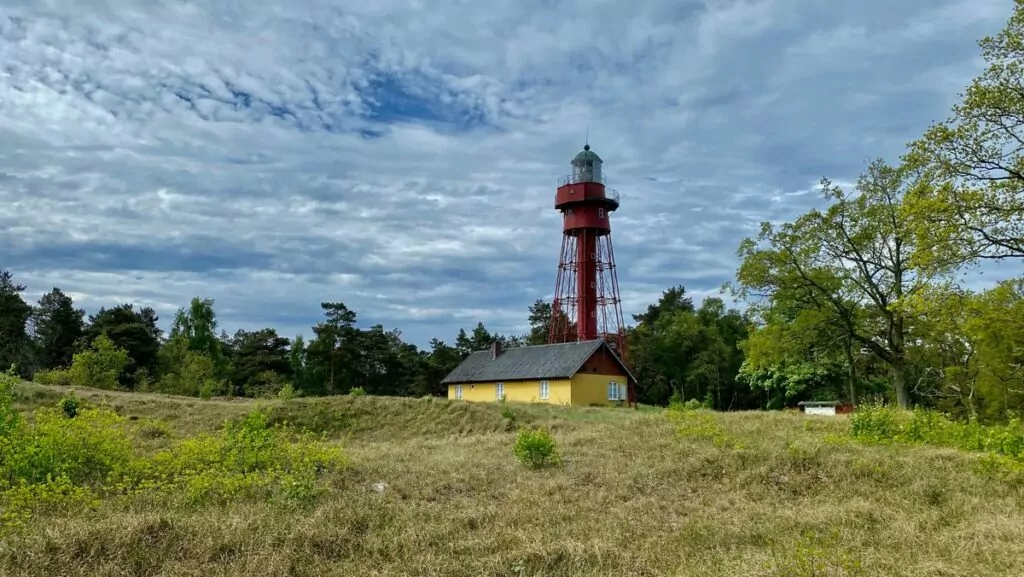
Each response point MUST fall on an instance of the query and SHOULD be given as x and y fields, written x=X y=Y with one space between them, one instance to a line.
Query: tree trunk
x=851 y=373
x=899 y=384
x=331 y=391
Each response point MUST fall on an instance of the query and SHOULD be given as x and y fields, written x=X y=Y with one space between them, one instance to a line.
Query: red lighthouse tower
x=587 y=304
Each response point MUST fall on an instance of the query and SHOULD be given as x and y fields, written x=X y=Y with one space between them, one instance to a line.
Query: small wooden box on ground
x=827 y=408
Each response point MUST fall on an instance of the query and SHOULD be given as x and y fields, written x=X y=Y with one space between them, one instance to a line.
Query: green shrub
x=508 y=416
x=55 y=496
x=693 y=405
x=879 y=424
x=287 y=392
x=99 y=366
x=9 y=418
x=153 y=429
x=71 y=455
x=53 y=377
x=70 y=405
x=207 y=389
x=874 y=422
x=188 y=372
x=264 y=385
x=88 y=450
x=675 y=402
x=357 y=392
x=536 y=448
x=249 y=459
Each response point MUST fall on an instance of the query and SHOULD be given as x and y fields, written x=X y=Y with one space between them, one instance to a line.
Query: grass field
x=638 y=493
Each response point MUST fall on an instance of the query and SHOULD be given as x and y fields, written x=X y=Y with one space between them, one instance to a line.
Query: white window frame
x=545 y=390
x=458 y=391
x=600 y=213
x=614 y=391
x=499 y=390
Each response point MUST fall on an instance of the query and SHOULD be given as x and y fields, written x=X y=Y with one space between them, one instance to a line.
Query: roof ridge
x=588 y=341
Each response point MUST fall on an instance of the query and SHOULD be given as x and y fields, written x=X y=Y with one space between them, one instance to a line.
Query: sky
x=402 y=156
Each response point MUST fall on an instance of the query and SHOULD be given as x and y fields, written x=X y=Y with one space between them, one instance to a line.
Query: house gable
x=602 y=362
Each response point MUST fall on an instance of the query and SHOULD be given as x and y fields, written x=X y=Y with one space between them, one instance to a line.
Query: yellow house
x=579 y=373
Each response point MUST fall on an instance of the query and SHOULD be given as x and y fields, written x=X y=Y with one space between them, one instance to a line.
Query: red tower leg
x=586 y=284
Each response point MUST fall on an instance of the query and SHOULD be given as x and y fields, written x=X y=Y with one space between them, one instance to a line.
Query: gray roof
x=555 y=361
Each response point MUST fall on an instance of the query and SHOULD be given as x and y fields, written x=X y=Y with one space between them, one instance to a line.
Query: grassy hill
x=430 y=487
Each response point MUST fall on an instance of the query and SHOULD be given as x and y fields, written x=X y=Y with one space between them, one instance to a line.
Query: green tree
x=135 y=331
x=850 y=261
x=99 y=366
x=463 y=344
x=978 y=153
x=185 y=371
x=799 y=352
x=335 y=350
x=14 y=316
x=680 y=351
x=297 y=358
x=994 y=329
x=672 y=300
x=198 y=326
x=441 y=360
x=946 y=354
x=57 y=326
x=540 y=323
x=260 y=362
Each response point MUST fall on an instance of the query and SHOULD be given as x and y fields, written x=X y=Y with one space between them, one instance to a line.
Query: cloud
x=402 y=157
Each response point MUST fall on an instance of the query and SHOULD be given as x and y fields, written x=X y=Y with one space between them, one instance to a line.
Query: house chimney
x=495 y=349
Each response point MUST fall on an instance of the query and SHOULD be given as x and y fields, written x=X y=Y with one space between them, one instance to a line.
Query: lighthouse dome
x=586 y=166
x=585 y=155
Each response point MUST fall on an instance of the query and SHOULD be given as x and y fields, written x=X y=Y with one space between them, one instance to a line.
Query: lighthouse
x=586 y=304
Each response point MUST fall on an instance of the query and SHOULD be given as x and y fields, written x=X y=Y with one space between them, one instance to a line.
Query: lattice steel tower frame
x=587 y=304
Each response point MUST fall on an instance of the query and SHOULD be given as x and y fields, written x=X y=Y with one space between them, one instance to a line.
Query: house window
x=500 y=390
x=458 y=391
x=600 y=213
x=545 y=389
x=614 y=391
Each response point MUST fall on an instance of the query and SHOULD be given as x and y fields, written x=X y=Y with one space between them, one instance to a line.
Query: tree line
x=682 y=349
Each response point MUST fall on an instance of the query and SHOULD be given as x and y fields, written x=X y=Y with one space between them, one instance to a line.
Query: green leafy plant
x=536 y=448
x=287 y=392
x=357 y=392
x=508 y=416
x=70 y=405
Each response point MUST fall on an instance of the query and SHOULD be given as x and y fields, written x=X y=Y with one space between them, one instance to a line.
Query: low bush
x=70 y=405
x=536 y=448
x=72 y=454
x=53 y=377
x=880 y=424
x=287 y=392
x=248 y=458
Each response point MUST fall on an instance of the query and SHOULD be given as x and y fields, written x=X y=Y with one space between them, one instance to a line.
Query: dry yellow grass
x=736 y=494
